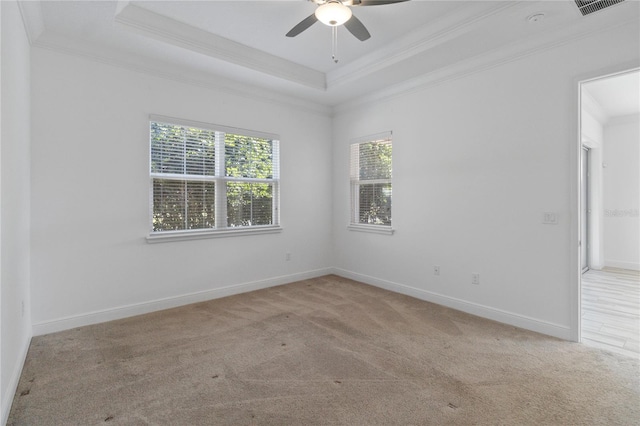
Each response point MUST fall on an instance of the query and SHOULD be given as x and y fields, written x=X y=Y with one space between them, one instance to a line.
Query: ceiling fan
x=338 y=12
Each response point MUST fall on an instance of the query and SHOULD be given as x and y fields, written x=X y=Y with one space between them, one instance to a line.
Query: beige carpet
x=322 y=351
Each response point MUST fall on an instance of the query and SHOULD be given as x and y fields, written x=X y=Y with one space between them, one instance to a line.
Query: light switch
x=550 y=218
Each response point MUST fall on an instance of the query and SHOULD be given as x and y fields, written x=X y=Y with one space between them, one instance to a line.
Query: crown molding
x=32 y=19
x=71 y=46
x=447 y=28
x=496 y=57
x=165 y=29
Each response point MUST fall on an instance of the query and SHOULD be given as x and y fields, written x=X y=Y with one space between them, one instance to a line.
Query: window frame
x=355 y=182
x=220 y=179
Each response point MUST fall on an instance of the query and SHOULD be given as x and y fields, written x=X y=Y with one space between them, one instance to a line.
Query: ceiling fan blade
x=375 y=2
x=303 y=25
x=357 y=28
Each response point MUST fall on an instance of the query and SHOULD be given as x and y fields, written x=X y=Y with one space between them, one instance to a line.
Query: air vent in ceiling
x=589 y=6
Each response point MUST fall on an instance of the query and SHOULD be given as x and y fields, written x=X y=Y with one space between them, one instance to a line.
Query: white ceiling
x=617 y=95
x=242 y=45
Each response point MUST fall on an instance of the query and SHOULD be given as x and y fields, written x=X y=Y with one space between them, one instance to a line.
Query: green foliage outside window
x=184 y=179
x=372 y=181
x=375 y=160
x=375 y=204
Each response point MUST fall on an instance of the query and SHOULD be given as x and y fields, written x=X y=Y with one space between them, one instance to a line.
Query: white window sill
x=163 y=237
x=374 y=229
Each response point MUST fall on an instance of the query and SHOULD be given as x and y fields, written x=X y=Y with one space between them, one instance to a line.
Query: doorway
x=609 y=241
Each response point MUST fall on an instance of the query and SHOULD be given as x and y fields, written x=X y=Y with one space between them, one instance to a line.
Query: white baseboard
x=126 y=311
x=510 y=318
x=622 y=265
x=7 y=399
x=521 y=321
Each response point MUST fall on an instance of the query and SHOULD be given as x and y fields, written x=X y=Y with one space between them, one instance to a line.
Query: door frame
x=575 y=265
x=585 y=188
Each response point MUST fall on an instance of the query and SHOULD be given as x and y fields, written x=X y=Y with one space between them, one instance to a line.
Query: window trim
x=374 y=229
x=199 y=234
x=213 y=127
x=354 y=225
x=194 y=234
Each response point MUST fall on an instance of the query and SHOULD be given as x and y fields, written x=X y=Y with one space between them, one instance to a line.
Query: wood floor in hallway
x=611 y=310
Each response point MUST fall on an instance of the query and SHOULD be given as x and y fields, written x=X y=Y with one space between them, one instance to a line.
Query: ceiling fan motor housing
x=336 y=12
x=333 y=13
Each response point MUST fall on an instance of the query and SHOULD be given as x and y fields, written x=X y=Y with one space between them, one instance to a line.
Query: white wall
x=477 y=160
x=621 y=182
x=90 y=192
x=14 y=208
x=591 y=129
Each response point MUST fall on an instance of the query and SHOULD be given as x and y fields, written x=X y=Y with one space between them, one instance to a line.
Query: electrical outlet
x=436 y=270
x=475 y=279
x=287 y=256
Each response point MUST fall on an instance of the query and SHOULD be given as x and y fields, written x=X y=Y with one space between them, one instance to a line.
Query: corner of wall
x=14 y=380
x=15 y=126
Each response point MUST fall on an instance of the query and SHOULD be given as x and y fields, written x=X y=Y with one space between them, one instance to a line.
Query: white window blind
x=371 y=180
x=251 y=176
x=211 y=178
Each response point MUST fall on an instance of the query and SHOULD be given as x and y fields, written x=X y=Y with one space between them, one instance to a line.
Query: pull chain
x=334 y=44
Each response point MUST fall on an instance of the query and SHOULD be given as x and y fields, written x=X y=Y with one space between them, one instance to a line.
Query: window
x=371 y=183
x=211 y=180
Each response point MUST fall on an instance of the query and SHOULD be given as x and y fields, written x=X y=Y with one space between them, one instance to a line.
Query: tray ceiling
x=243 y=44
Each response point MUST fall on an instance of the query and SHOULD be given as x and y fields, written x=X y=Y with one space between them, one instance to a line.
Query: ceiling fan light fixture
x=333 y=13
